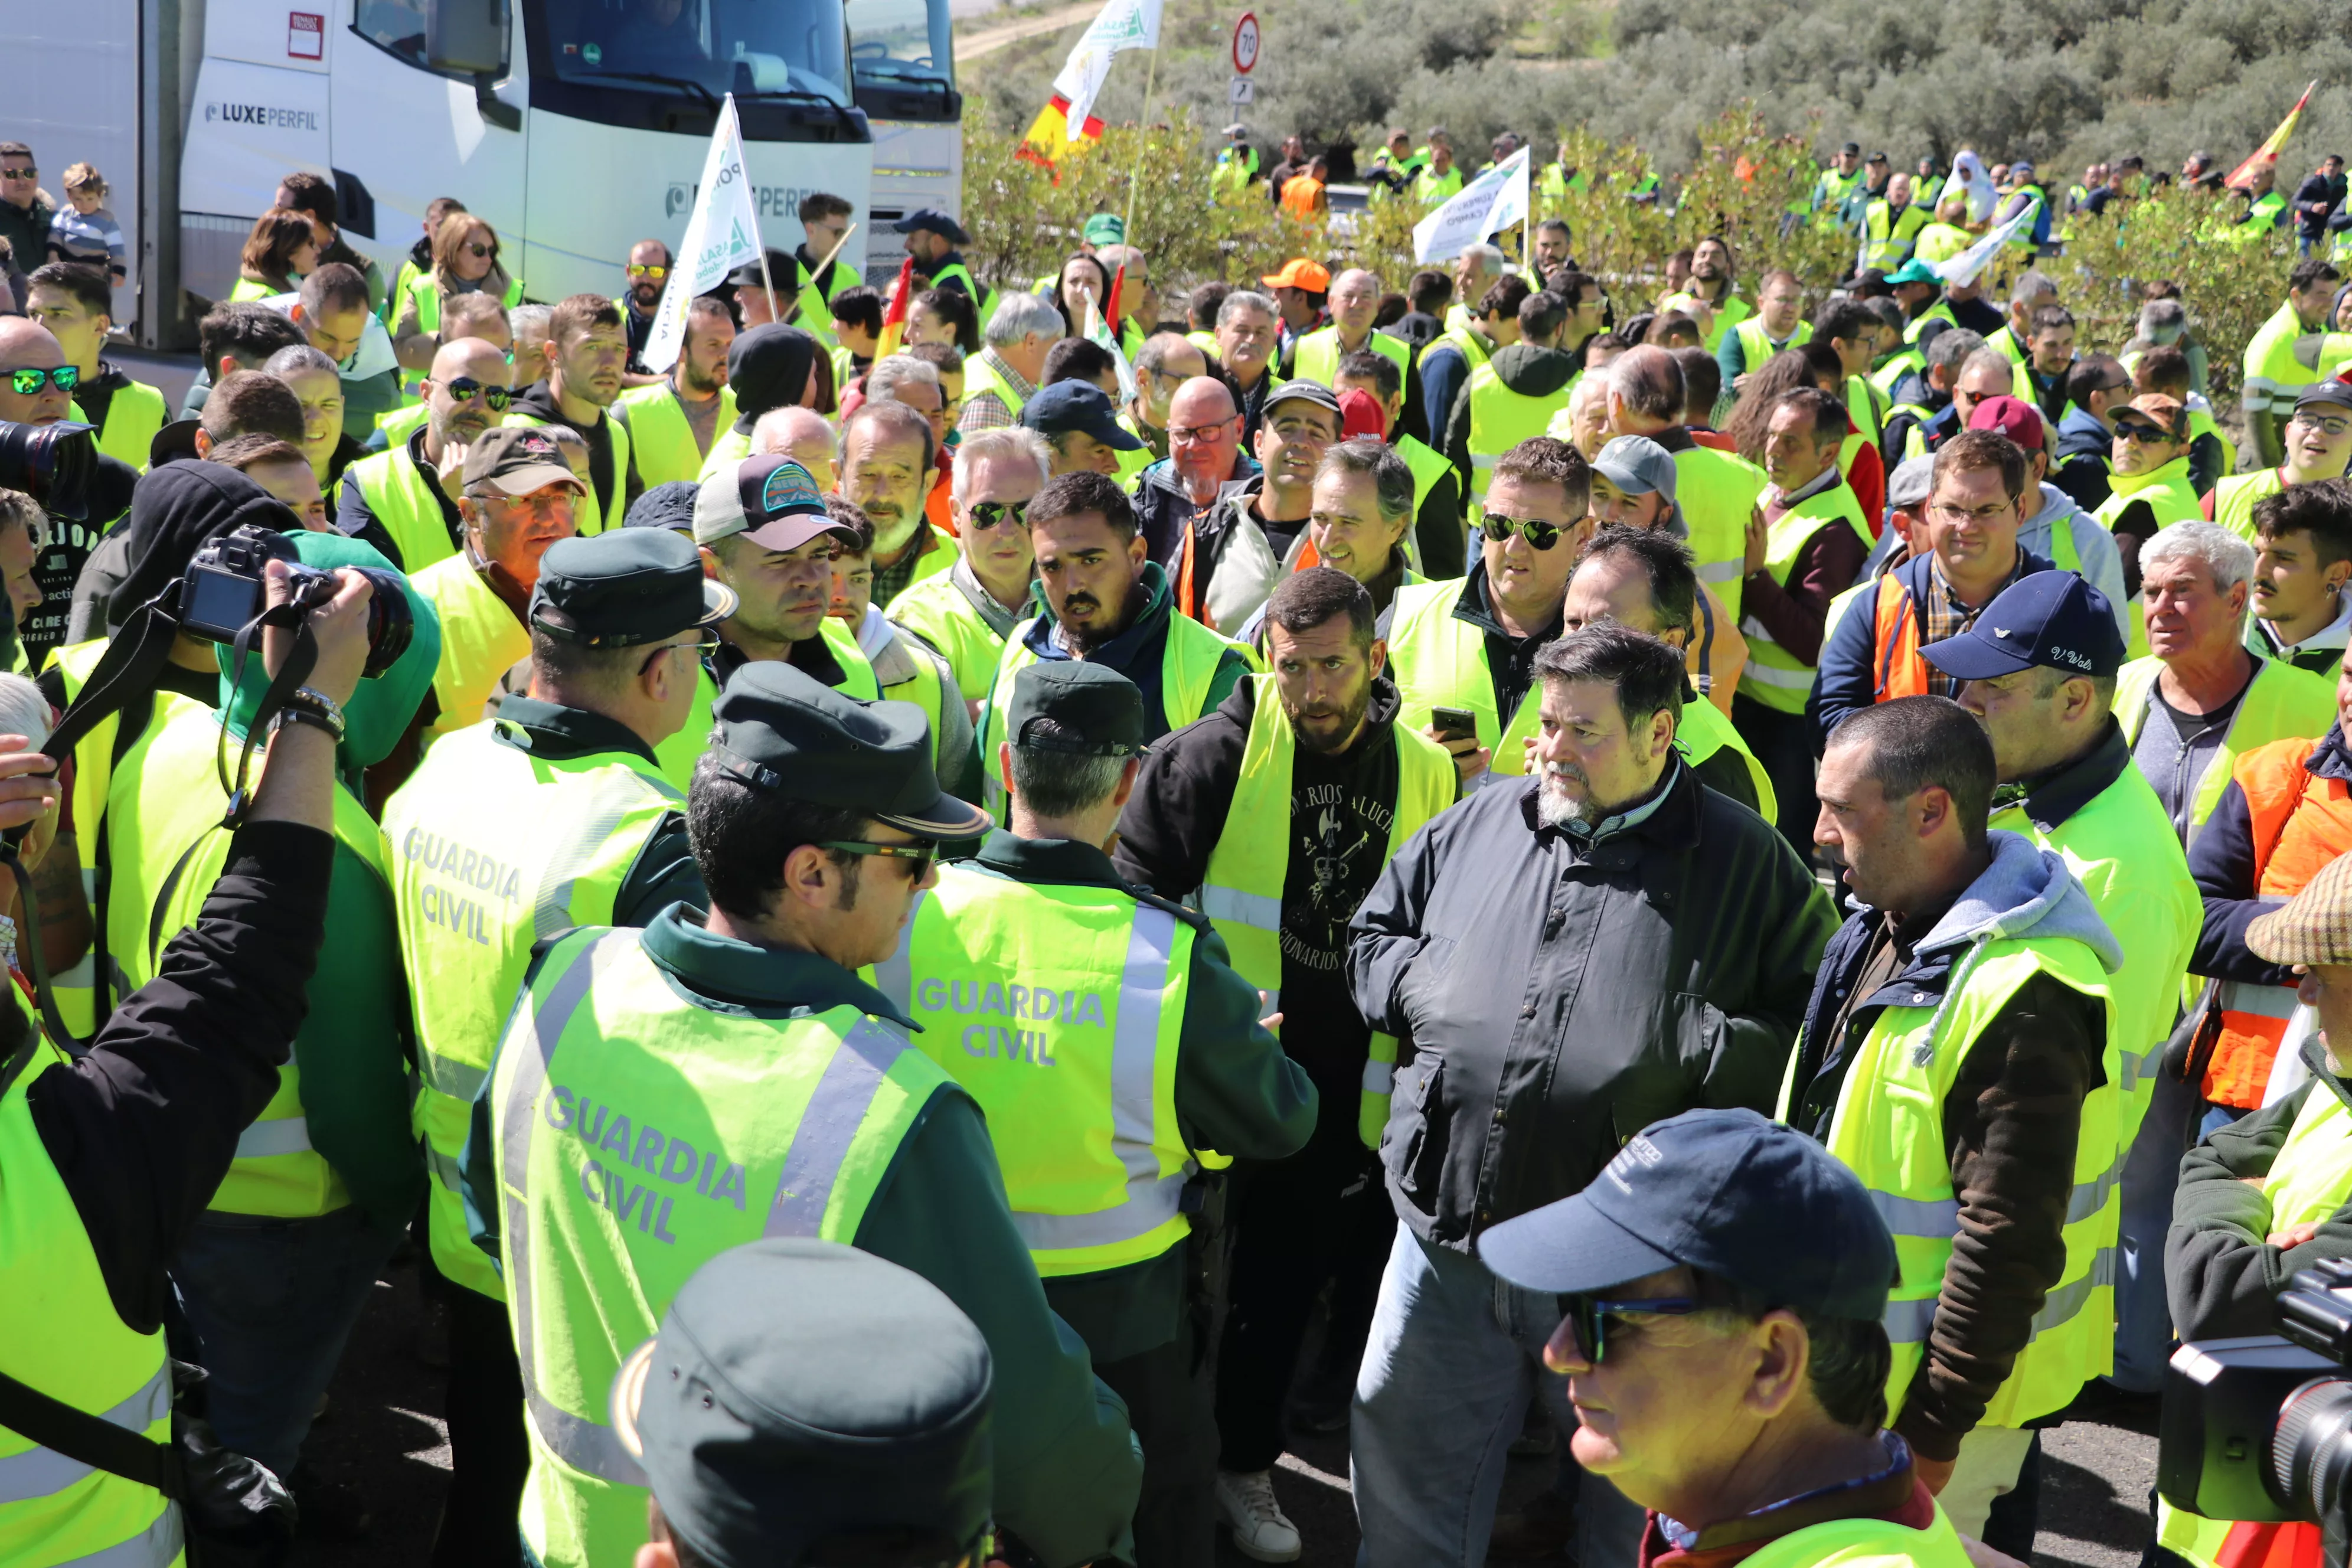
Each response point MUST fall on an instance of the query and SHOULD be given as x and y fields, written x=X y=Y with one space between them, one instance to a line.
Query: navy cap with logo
x=930 y=220
x=1093 y=709
x=806 y=1402
x=2052 y=620
x=1078 y=405
x=772 y=500
x=1745 y=1199
x=625 y=589
x=779 y=728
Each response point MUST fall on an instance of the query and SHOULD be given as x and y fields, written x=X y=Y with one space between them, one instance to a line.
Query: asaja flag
x=1120 y=25
x=2266 y=156
x=1962 y=271
x=1495 y=199
x=722 y=234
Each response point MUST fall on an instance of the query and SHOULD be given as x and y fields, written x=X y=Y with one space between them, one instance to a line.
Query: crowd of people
x=940 y=923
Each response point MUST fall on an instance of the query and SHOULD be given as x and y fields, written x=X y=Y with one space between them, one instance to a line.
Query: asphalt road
x=383 y=1436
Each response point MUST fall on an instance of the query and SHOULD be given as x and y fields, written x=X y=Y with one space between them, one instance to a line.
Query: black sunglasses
x=465 y=389
x=2133 y=430
x=922 y=853
x=987 y=514
x=1539 y=534
x=1589 y=1318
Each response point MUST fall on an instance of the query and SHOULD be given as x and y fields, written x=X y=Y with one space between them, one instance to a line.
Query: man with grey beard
x=1575 y=955
x=886 y=468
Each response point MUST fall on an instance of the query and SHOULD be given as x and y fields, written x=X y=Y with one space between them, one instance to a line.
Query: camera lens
x=2311 y=1450
x=54 y=464
x=391 y=626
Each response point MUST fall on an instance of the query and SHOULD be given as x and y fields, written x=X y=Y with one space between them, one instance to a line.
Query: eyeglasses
x=921 y=854
x=465 y=389
x=1539 y=534
x=2328 y=425
x=1201 y=432
x=27 y=381
x=655 y=273
x=987 y=514
x=24 y=173
x=2133 y=430
x=1944 y=511
x=1589 y=1318
x=704 y=638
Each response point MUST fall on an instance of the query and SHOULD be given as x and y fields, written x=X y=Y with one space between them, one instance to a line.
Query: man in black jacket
x=136 y=1134
x=1345 y=786
x=2315 y=201
x=1575 y=955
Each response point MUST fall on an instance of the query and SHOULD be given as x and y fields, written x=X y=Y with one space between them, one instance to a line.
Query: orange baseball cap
x=1300 y=273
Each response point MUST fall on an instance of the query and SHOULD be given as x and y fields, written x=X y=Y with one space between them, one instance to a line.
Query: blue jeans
x=2176 y=1117
x=1455 y=1355
x=272 y=1301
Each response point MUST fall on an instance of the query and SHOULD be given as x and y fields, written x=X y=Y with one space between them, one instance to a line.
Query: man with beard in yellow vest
x=1274 y=815
x=2267 y=1197
x=1108 y=1026
x=663 y=1095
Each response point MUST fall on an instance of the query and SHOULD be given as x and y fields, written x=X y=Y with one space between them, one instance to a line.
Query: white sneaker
x=1261 y=1529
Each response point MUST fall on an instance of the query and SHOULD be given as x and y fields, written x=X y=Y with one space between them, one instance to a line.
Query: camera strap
x=91 y=1439
x=300 y=659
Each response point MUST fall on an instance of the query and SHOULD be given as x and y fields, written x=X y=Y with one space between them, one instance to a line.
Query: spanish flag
x=1049 y=133
x=2267 y=154
x=894 y=316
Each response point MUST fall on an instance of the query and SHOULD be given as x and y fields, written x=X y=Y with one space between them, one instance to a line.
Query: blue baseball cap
x=1068 y=406
x=1747 y=1200
x=2053 y=619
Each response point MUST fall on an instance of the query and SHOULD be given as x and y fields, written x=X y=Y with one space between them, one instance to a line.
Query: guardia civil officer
x=780 y=1418
x=1108 y=1039
x=549 y=816
x=661 y=1096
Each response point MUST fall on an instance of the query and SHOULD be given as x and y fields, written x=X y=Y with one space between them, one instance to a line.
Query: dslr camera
x=2261 y=1429
x=224 y=591
x=54 y=464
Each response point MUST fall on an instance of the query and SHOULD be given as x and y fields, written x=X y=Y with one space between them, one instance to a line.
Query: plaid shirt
x=985 y=410
x=1943 y=615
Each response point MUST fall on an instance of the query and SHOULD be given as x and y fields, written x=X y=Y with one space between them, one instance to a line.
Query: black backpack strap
x=91 y=1439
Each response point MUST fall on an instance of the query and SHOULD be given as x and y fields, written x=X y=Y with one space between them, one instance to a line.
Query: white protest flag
x=1121 y=25
x=1495 y=199
x=722 y=234
x=1099 y=331
x=1962 y=271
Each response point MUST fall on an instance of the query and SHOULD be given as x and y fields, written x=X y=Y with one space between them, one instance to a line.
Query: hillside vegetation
x=2062 y=81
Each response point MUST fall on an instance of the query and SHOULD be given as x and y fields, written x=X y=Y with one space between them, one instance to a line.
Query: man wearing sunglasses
x=745 y=1039
x=25 y=209
x=1484 y=943
x=1470 y=643
x=1722 y=1346
x=648 y=273
x=2149 y=487
x=401 y=492
x=965 y=613
x=1100 y=1180
x=617 y=625
x=2318 y=441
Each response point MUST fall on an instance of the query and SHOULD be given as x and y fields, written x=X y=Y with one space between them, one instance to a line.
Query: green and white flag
x=1121 y=25
x=721 y=233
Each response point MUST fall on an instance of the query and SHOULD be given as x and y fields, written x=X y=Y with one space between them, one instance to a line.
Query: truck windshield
x=902 y=41
x=701 y=49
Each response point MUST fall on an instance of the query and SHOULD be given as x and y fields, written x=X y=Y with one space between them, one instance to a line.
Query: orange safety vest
x=2300 y=821
x=1901 y=671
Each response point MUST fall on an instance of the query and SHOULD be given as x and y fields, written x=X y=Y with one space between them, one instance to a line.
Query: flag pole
x=813 y=277
x=1151 y=83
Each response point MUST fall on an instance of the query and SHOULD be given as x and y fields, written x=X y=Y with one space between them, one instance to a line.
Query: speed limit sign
x=1245 y=43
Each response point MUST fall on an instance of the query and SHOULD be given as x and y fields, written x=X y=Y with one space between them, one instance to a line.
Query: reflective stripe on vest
x=1715 y=491
x=1501 y=419
x=643 y=1160
x=1439 y=660
x=59 y=1332
x=493 y=848
x=1774 y=675
x=980 y=945
x=1241 y=889
x=2283 y=358
x=1888 y=1129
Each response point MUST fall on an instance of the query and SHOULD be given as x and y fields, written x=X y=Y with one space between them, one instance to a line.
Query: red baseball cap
x=2013 y=417
x=1360 y=416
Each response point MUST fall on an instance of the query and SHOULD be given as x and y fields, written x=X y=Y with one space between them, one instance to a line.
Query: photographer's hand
x=298 y=783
